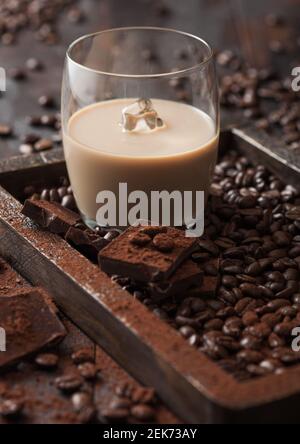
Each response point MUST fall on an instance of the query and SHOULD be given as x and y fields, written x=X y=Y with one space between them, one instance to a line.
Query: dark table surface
x=236 y=24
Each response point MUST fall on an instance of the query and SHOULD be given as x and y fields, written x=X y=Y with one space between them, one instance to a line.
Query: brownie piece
x=147 y=253
x=30 y=324
x=186 y=276
x=50 y=215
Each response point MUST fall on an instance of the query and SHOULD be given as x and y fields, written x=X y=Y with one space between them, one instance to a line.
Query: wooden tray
x=196 y=388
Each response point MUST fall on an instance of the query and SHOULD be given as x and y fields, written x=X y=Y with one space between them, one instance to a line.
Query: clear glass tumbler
x=140 y=109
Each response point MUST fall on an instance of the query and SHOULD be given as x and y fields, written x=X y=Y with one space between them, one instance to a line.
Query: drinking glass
x=165 y=66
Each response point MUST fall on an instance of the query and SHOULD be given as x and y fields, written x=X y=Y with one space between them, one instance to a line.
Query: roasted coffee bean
x=46 y=101
x=43 y=145
x=54 y=196
x=81 y=400
x=11 y=407
x=163 y=243
x=5 y=130
x=232 y=327
x=47 y=360
x=249 y=318
x=69 y=202
x=34 y=64
x=281 y=238
x=140 y=239
x=143 y=412
x=68 y=383
x=213 y=324
x=115 y=414
x=87 y=370
x=249 y=342
x=271 y=319
x=270 y=364
x=186 y=331
x=229 y=343
x=260 y=330
x=25 y=149
x=45 y=195
x=250 y=356
x=83 y=355
x=289 y=357
x=254 y=269
x=194 y=340
x=225 y=312
x=17 y=74
x=197 y=305
x=229 y=281
x=243 y=305
x=250 y=290
x=291 y=274
x=209 y=246
x=283 y=329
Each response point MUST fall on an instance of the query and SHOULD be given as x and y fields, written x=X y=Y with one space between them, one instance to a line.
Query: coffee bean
x=43 y=145
x=250 y=290
x=243 y=305
x=257 y=370
x=83 y=355
x=68 y=383
x=114 y=414
x=163 y=243
x=250 y=356
x=68 y=202
x=260 y=330
x=34 y=64
x=281 y=238
x=249 y=318
x=142 y=412
x=5 y=130
x=47 y=360
x=140 y=239
x=249 y=342
x=46 y=101
x=283 y=329
x=25 y=149
x=209 y=246
x=11 y=407
x=87 y=370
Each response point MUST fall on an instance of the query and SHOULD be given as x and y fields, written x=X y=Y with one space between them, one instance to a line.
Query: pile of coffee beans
x=263 y=96
x=253 y=226
x=62 y=194
x=39 y=15
x=131 y=404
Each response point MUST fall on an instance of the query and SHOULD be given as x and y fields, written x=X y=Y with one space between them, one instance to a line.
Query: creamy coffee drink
x=180 y=154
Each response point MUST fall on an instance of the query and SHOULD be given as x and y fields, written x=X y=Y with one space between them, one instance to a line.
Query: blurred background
x=34 y=36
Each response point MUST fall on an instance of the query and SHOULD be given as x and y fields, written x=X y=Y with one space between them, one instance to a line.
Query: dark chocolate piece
x=30 y=325
x=86 y=242
x=147 y=262
x=186 y=276
x=50 y=215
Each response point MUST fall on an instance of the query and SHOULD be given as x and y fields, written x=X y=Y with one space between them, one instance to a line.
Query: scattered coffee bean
x=47 y=360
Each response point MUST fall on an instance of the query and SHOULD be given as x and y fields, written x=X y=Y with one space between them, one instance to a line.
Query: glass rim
x=169 y=74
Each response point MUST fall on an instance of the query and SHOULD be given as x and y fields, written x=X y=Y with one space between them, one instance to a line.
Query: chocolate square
x=50 y=215
x=186 y=276
x=147 y=253
x=30 y=324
